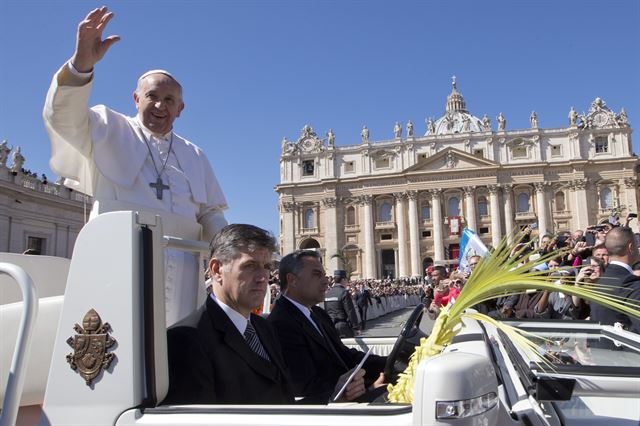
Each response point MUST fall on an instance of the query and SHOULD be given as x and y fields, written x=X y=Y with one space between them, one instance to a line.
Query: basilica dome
x=456 y=118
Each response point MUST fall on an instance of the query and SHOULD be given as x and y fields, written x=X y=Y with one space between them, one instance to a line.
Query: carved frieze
x=468 y=190
x=330 y=202
x=412 y=195
x=365 y=200
x=631 y=182
x=288 y=207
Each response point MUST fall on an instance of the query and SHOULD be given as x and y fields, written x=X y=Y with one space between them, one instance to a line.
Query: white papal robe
x=102 y=153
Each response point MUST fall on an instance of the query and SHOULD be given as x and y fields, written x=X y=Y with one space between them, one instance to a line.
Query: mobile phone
x=590 y=239
x=633 y=215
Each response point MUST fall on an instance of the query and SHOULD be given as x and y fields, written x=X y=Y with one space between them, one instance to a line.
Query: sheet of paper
x=350 y=377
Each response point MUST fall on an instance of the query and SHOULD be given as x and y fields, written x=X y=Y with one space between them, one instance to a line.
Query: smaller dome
x=456 y=118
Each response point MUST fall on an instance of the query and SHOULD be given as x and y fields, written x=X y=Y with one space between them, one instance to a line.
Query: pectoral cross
x=159 y=187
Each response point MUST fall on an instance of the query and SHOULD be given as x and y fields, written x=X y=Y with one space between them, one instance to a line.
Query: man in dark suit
x=314 y=353
x=623 y=252
x=223 y=354
x=363 y=300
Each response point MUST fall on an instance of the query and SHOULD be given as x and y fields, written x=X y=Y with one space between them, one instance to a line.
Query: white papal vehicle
x=86 y=345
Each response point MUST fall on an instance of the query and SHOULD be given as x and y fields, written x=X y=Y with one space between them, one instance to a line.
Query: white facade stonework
x=34 y=214
x=390 y=205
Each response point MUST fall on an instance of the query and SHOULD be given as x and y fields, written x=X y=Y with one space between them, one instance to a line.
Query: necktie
x=327 y=341
x=254 y=342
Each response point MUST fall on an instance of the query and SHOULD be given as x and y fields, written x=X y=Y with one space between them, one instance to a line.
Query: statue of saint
x=573 y=117
x=397 y=131
x=533 y=119
x=4 y=153
x=18 y=161
x=466 y=123
x=622 y=119
x=486 y=123
x=331 y=138
x=502 y=122
x=285 y=145
x=365 y=134
x=431 y=127
x=409 y=129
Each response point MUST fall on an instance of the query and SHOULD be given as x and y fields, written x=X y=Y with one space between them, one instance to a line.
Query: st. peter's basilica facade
x=393 y=205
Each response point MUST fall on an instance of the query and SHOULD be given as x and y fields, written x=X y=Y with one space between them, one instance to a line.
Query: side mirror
x=456 y=388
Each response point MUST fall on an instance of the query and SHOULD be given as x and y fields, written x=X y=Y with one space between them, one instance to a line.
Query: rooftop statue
x=4 y=153
x=409 y=129
x=622 y=118
x=365 y=134
x=18 y=161
x=431 y=126
x=397 y=131
x=331 y=138
x=286 y=147
x=533 y=119
x=486 y=123
x=502 y=122
x=573 y=117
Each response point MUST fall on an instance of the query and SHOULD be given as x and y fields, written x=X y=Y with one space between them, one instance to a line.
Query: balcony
x=525 y=216
x=385 y=225
x=351 y=228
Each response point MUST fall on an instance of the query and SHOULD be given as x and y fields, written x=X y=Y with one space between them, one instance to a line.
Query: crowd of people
x=606 y=254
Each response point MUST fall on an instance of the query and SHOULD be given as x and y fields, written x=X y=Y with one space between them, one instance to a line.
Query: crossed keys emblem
x=90 y=346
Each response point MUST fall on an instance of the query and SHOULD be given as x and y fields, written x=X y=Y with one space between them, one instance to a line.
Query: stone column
x=414 y=234
x=288 y=227
x=631 y=199
x=369 y=247
x=541 y=202
x=509 y=218
x=580 y=206
x=470 y=203
x=496 y=231
x=401 y=223
x=330 y=232
x=438 y=243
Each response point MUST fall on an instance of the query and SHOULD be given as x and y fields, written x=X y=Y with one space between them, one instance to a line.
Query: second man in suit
x=314 y=353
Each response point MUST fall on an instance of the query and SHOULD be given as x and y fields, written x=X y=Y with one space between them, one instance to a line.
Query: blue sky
x=254 y=72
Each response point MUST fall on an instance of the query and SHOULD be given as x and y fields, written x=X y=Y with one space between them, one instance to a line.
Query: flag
x=470 y=245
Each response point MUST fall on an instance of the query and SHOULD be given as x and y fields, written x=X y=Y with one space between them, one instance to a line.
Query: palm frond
x=501 y=273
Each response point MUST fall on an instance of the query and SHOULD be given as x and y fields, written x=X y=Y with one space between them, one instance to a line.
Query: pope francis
x=137 y=162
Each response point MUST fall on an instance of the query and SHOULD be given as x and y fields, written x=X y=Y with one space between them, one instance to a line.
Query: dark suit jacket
x=210 y=362
x=363 y=298
x=614 y=275
x=314 y=368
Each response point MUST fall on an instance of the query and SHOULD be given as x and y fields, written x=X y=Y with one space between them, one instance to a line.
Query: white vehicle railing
x=17 y=373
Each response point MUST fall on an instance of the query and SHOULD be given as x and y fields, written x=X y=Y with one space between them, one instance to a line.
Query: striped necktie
x=254 y=342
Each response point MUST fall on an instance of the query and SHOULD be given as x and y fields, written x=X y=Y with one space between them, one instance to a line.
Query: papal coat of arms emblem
x=90 y=346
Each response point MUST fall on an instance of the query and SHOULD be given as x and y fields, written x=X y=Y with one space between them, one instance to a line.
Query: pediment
x=450 y=159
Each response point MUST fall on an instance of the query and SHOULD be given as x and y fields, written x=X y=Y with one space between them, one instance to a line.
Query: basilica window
x=349 y=167
x=37 y=244
x=519 y=152
x=606 y=198
x=523 y=202
x=384 y=214
x=556 y=151
x=383 y=163
x=425 y=211
x=351 y=215
x=309 y=219
x=559 y=201
x=482 y=206
x=478 y=153
x=602 y=144
x=453 y=206
x=308 y=168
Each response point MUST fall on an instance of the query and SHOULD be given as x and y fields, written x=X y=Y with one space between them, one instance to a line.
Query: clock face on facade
x=308 y=144
x=600 y=119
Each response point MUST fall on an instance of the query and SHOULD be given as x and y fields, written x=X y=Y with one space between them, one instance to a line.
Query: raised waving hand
x=90 y=47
